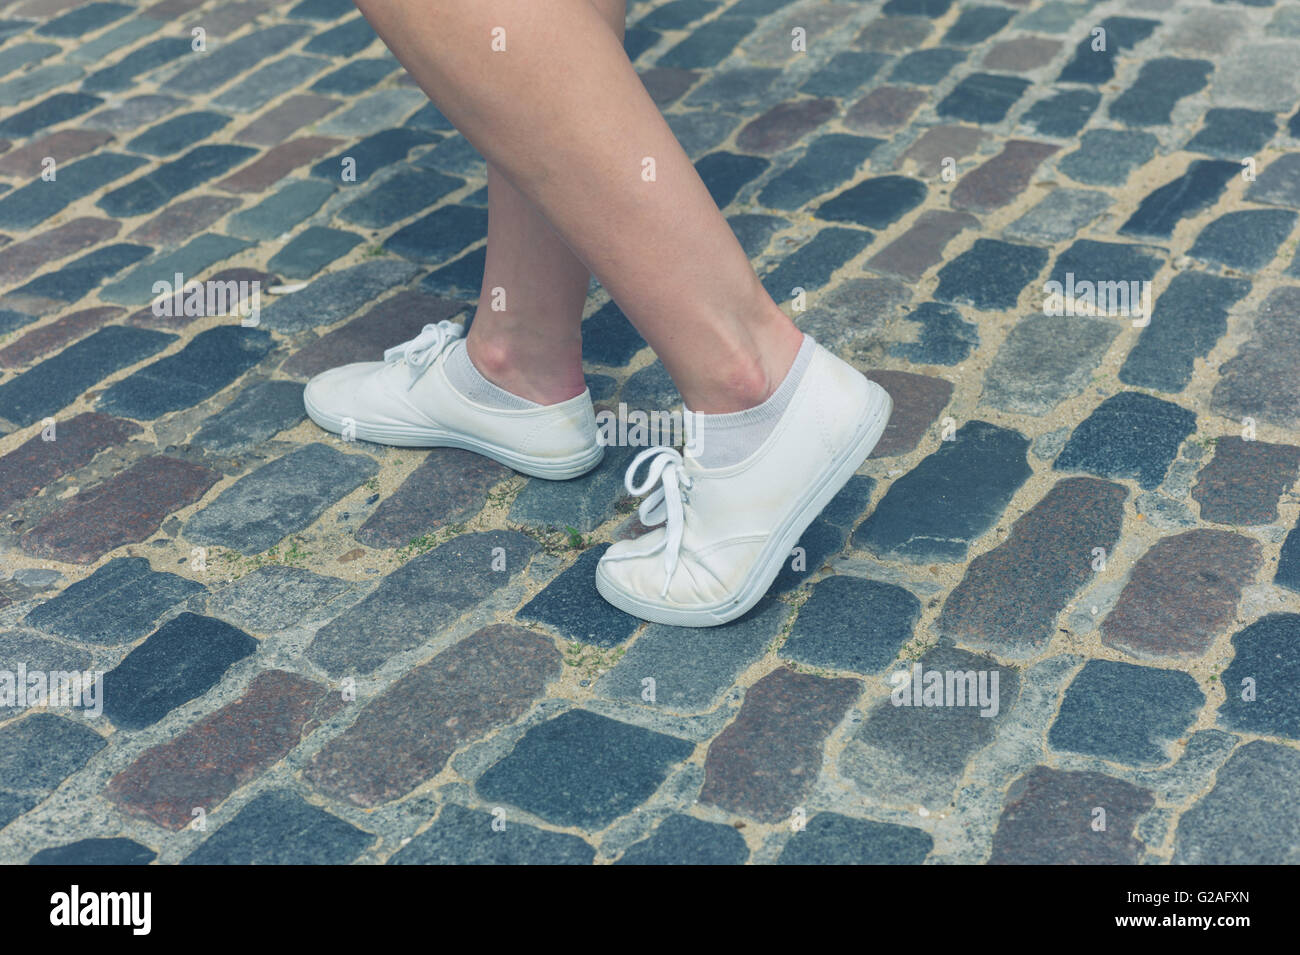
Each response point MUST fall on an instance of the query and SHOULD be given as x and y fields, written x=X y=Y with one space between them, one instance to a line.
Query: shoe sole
x=552 y=469
x=772 y=558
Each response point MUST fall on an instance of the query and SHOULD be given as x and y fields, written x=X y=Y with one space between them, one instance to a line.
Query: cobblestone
x=852 y=624
x=407 y=735
x=1189 y=318
x=1125 y=713
x=1180 y=593
x=1046 y=360
x=1014 y=613
x=685 y=840
x=1254 y=383
x=462 y=836
x=832 y=839
x=278 y=498
x=916 y=753
x=116 y=604
x=689 y=669
x=1241 y=819
x=1244 y=481
x=1129 y=435
x=351 y=653
x=181 y=660
x=281 y=828
x=990 y=275
x=415 y=601
x=1048 y=820
x=918 y=520
x=212 y=758
x=582 y=769
x=37 y=753
x=764 y=763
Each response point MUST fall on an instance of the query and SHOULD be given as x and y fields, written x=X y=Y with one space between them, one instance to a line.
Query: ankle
x=491 y=357
x=545 y=372
x=748 y=378
x=745 y=383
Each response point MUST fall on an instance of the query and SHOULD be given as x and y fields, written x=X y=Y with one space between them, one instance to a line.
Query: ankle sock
x=469 y=381
x=727 y=439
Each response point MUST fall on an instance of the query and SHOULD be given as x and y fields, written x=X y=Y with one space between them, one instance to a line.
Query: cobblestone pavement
x=322 y=651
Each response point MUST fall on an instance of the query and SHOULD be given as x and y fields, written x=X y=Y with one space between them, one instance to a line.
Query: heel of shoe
x=548 y=468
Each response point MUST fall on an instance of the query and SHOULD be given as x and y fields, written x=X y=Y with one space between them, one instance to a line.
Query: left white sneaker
x=408 y=401
x=727 y=531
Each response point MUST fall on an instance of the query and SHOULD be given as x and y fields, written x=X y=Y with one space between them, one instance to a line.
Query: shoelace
x=665 y=503
x=420 y=352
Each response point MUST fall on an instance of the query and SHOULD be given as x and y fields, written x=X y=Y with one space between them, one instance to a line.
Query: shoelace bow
x=420 y=352
x=665 y=503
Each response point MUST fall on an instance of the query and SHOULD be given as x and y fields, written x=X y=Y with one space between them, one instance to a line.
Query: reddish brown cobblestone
x=125 y=509
x=211 y=759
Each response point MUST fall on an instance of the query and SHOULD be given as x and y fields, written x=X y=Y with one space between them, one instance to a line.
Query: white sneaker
x=727 y=531
x=407 y=400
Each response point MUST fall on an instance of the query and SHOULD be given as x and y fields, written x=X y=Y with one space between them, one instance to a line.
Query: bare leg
x=532 y=347
x=563 y=115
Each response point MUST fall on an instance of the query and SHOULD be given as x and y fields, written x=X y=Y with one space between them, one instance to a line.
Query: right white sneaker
x=408 y=401
x=727 y=531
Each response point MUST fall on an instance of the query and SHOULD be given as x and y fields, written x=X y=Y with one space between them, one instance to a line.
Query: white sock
x=721 y=440
x=469 y=381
